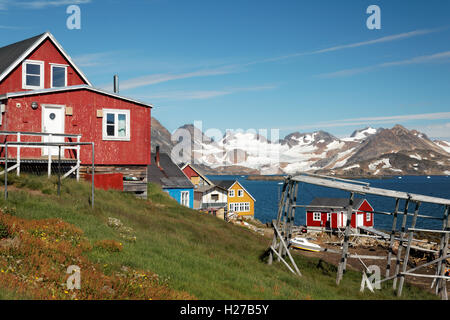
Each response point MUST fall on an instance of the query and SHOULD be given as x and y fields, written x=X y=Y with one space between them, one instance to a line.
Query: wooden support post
x=49 y=168
x=342 y=263
x=280 y=208
x=400 y=244
x=408 y=248
x=292 y=215
x=441 y=284
x=285 y=210
x=18 y=156
x=392 y=237
x=78 y=158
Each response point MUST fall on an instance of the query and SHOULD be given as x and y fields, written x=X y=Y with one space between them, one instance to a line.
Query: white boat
x=304 y=244
x=428 y=177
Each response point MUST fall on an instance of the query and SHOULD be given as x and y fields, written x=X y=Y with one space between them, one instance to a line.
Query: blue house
x=168 y=175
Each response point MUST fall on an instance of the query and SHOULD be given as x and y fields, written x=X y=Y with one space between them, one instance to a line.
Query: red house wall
x=189 y=172
x=48 y=53
x=364 y=206
x=84 y=121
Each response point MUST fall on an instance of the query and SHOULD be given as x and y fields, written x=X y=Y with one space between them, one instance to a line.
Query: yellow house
x=239 y=200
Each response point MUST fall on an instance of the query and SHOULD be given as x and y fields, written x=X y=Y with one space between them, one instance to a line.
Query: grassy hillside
x=185 y=254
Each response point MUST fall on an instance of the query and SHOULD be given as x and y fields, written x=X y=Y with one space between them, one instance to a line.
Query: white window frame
x=315 y=216
x=231 y=207
x=240 y=193
x=368 y=216
x=231 y=193
x=116 y=137
x=24 y=74
x=184 y=198
x=51 y=74
x=328 y=216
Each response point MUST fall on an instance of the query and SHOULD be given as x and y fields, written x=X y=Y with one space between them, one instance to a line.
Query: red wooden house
x=43 y=91
x=330 y=213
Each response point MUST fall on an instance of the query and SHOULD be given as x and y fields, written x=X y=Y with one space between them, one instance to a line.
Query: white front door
x=52 y=122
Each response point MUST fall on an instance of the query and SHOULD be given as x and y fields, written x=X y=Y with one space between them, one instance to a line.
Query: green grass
x=194 y=252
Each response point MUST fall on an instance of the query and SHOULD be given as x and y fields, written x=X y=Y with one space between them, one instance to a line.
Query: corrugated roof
x=10 y=53
x=169 y=175
x=226 y=184
x=327 y=204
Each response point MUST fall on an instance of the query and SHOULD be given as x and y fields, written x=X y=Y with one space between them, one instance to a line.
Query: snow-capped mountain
x=368 y=151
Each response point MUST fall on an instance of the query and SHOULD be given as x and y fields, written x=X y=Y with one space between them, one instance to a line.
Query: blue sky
x=258 y=64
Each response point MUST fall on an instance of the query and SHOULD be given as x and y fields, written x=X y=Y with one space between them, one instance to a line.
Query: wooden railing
x=17 y=137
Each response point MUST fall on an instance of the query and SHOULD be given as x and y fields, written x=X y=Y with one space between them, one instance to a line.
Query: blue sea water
x=267 y=195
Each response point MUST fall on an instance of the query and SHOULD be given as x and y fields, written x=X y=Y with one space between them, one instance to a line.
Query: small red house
x=43 y=91
x=330 y=213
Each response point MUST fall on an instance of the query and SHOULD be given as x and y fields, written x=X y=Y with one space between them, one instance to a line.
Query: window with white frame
x=116 y=124
x=240 y=207
x=328 y=216
x=231 y=193
x=317 y=216
x=184 y=198
x=240 y=193
x=33 y=74
x=58 y=75
x=367 y=216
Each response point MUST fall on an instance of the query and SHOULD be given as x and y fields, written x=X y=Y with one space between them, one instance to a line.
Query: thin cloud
x=390 y=38
x=373 y=120
x=441 y=56
x=39 y=4
x=202 y=95
x=165 y=77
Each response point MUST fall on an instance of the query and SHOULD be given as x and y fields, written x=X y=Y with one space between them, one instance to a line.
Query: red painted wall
x=364 y=206
x=189 y=172
x=107 y=181
x=84 y=121
x=48 y=53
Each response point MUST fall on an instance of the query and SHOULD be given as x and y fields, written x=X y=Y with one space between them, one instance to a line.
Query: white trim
x=52 y=106
x=229 y=193
x=242 y=188
x=71 y=88
x=34 y=46
x=116 y=112
x=186 y=193
x=41 y=75
x=51 y=74
x=317 y=213
x=200 y=175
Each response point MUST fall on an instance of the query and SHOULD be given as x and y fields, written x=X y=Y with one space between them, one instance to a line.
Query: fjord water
x=267 y=195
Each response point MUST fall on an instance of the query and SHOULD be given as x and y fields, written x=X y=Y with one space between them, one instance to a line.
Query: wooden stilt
x=392 y=237
x=278 y=221
x=441 y=283
x=400 y=245
x=343 y=262
x=408 y=248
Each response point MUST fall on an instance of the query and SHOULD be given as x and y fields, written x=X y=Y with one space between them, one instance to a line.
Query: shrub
x=109 y=245
x=4 y=232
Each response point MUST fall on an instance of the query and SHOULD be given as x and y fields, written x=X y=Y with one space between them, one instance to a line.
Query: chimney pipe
x=116 y=83
x=157 y=157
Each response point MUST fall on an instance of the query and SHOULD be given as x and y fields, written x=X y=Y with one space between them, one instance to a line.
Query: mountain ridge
x=366 y=152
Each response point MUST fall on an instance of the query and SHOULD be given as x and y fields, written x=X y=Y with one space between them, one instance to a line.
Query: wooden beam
x=353 y=187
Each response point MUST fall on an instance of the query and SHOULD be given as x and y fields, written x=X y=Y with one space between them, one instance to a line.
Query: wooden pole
x=280 y=206
x=292 y=216
x=342 y=263
x=442 y=284
x=400 y=244
x=284 y=214
x=408 y=248
x=392 y=237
